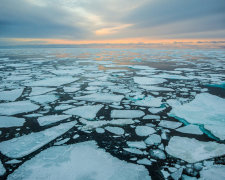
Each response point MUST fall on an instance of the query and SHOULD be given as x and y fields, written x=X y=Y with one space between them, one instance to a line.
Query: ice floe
x=26 y=144
x=127 y=113
x=43 y=99
x=11 y=95
x=40 y=90
x=193 y=150
x=107 y=98
x=153 y=139
x=78 y=161
x=169 y=124
x=136 y=144
x=216 y=130
x=12 y=108
x=46 y=120
x=149 y=102
x=115 y=130
x=9 y=121
x=144 y=130
x=87 y=111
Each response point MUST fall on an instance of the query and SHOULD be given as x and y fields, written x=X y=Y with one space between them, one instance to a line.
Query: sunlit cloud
x=111 y=30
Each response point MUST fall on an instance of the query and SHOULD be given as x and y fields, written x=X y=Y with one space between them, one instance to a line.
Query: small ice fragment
x=43 y=99
x=100 y=130
x=148 y=81
x=133 y=150
x=2 y=169
x=62 y=141
x=144 y=161
x=157 y=154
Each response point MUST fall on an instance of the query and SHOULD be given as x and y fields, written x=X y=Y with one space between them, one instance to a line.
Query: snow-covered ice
x=190 y=129
x=43 y=99
x=148 y=81
x=136 y=144
x=78 y=161
x=215 y=172
x=169 y=124
x=40 y=90
x=193 y=150
x=26 y=144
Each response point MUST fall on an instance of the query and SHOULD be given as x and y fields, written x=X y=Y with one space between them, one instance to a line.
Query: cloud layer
x=112 y=19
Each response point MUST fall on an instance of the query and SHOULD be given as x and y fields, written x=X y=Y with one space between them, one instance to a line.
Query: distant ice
x=144 y=130
x=26 y=144
x=148 y=81
x=78 y=161
x=193 y=150
x=56 y=81
x=149 y=102
x=156 y=88
x=67 y=72
x=11 y=95
x=87 y=111
x=127 y=113
x=17 y=107
x=9 y=121
x=104 y=97
x=46 y=120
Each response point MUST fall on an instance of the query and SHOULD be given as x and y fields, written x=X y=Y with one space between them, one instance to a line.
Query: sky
x=111 y=21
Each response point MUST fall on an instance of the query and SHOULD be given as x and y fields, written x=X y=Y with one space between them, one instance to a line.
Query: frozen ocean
x=112 y=114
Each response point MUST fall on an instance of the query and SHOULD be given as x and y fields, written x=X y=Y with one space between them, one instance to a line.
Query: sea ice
x=127 y=113
x=55 y=81
x=12 y=108
x=190 y=129
x=156 y=88
x=192 y=150
x=144 y=161
x=11 y=95
x=133 y=151
x=157 y=154
x=115 y=130
x=148 y=81
x=144 y=130
x=26 y=144
x=6 y=121
x=78 y=161
x=88 y=111
x=46 y=120
x=169 y=124
x=106 y=98
x=216 y=130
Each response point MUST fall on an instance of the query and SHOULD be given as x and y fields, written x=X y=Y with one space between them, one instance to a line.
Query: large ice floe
x=127 y=113
x=78 y=161
x=26 y=144
x=148 y=81
x=46 y=120
x=214 y=172
x=12 y=108
x=193 y=150
x=205 y=109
